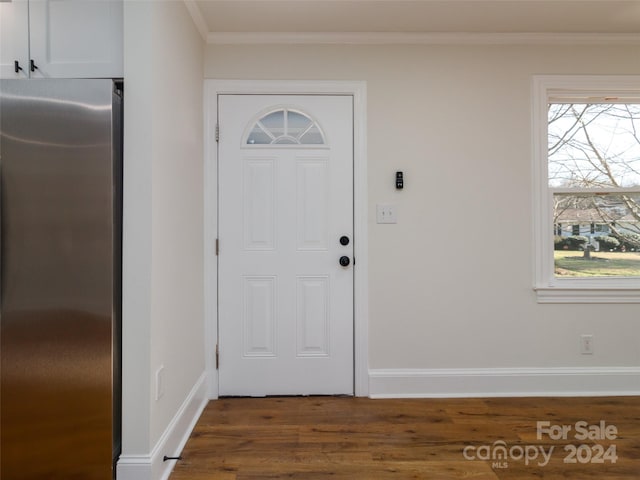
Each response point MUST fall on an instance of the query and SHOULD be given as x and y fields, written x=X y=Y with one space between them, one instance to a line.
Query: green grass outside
x=601 y=264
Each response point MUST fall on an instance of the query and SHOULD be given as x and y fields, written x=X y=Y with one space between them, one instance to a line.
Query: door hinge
x=217 y=357
x=217 y=132
x=217 y=247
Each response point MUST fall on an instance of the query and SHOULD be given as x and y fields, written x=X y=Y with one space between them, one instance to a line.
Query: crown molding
x=197 y=17
x=402 y=38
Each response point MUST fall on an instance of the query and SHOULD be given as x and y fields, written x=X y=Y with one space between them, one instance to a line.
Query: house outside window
x=586 y=137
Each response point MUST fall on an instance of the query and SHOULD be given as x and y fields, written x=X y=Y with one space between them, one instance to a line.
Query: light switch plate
x=386 y=214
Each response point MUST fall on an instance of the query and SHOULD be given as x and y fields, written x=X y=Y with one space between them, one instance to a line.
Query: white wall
x=163 y=234
x=451 y=283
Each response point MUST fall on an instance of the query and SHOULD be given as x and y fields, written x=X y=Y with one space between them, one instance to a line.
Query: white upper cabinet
x=14 y=39
x=64 y=38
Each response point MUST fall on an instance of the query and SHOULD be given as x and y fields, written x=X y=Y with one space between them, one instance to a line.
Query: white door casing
x=285 y=303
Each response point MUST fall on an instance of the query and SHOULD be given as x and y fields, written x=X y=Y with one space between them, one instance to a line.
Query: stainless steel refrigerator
x=60 y=254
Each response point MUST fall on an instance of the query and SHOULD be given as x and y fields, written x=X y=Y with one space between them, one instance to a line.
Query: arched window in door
x=285 y=126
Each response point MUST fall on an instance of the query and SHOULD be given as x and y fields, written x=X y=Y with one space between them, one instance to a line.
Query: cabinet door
x=14 y=38
x=76 y=38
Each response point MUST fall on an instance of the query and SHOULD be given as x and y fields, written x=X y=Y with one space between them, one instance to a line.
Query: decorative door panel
x=312 y=202
x=312 y=316
x=259 y=213
x=259 y=316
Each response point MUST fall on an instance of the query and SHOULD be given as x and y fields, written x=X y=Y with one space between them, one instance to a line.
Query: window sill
x=587 y=295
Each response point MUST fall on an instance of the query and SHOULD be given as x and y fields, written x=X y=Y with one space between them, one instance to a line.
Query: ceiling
x=416 y=16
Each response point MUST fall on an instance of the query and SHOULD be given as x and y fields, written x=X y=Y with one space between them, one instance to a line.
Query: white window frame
x=549 y=288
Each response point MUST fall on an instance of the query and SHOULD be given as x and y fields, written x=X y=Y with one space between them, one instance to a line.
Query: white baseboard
x=171 y=443
x=504 y=382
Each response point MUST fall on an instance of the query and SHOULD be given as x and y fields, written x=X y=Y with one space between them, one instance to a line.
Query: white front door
x=285 y=224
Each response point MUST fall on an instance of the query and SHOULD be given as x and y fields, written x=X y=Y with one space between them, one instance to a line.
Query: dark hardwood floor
x=314 y=438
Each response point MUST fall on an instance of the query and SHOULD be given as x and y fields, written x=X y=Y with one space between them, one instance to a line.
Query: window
x=285 y=126
x=587 y=188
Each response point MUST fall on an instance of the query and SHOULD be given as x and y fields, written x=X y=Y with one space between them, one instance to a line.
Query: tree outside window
x=594 y=175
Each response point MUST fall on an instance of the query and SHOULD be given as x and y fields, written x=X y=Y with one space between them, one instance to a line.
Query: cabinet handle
x=34 y=67
x=16 y=66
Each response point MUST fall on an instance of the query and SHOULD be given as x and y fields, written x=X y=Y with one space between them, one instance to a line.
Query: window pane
x=274 y=121
x=258 y=137
x=596 y=235
x=594 y=145
x=297 y=124
x=312 y=137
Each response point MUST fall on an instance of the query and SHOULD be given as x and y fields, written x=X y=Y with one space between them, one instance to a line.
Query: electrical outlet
x=160 y=382
x=586 y=344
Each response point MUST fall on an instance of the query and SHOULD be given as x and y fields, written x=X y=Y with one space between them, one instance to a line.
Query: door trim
x=213 y=88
